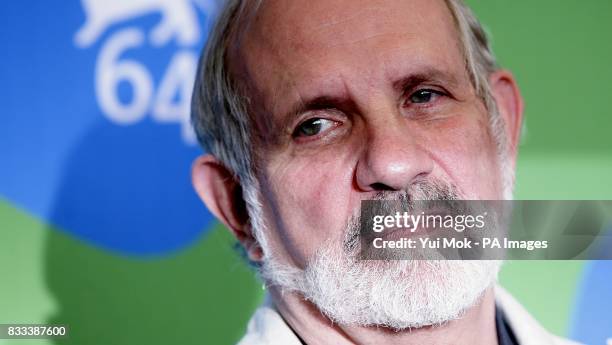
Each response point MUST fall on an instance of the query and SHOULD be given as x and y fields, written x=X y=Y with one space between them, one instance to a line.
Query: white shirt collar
x=268 y=327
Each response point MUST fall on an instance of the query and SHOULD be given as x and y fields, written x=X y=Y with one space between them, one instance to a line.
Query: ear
x=510 y=105
x=222 y=194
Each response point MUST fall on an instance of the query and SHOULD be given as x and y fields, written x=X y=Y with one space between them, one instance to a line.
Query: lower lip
x=395 y=234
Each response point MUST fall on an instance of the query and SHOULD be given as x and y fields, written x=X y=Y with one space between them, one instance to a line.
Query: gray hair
x=219 y=113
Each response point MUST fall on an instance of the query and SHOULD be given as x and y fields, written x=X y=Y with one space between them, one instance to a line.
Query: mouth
x=394 y=233
x=406 y=231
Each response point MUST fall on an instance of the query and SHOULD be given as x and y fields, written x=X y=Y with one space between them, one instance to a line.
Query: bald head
x=288 y=53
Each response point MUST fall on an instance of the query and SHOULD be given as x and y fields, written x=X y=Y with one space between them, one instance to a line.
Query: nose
x=392 y=159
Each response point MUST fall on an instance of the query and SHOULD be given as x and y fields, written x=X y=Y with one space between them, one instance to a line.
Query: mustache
x=421 y=195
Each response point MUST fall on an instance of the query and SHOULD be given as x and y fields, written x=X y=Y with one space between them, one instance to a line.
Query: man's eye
x=424 y=96
x=312 y=127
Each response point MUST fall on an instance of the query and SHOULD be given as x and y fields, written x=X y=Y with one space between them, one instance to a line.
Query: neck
x=475 y=327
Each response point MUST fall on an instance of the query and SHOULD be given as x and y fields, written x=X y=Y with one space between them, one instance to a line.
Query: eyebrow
x=343 y=101
x=431 y=75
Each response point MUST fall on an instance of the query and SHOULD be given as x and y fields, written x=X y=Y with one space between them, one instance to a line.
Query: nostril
x=381 y=187
x=421 y=177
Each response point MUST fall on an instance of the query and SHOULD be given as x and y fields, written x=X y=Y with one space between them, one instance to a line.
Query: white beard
x=396 y=294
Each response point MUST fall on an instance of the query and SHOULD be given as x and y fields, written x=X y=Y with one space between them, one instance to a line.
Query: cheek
x=311 y=201
x=467 y=154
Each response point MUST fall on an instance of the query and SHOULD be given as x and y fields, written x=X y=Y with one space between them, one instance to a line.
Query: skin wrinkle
x=270 y=125
x=274 y=171
x=365 y=39
x=310 y=190
x=397 y=85
x=289 y=244
x=346 y=19
x=300 y=94
x=330 y=26
x=275 y=48
x=272 y=189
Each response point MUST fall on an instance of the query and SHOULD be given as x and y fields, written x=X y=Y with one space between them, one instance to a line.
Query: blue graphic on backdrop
x=591 y=316
x=95 y=135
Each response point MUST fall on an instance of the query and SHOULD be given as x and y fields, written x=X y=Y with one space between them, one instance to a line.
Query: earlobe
x=510 y=105
x=222 y=194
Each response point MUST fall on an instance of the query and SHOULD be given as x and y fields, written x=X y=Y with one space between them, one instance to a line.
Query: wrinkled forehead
x=288 y=48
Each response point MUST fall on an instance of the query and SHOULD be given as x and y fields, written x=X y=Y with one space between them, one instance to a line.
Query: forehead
x=292 y=48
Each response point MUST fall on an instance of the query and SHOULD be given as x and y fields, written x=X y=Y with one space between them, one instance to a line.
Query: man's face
x=353 y=97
